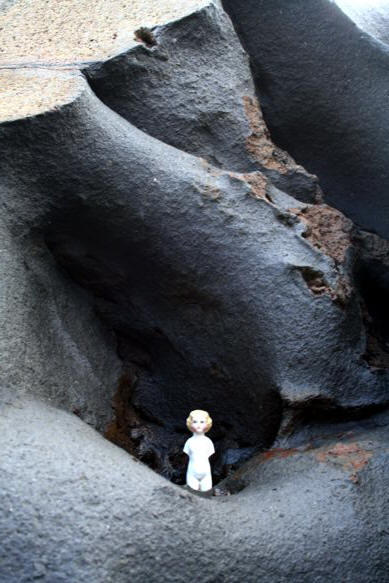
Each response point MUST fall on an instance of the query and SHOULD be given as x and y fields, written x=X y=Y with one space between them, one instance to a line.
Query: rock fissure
x=259 y=143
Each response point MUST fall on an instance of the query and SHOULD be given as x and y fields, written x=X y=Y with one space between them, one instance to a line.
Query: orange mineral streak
x=279 y=452
x=350 y=456
x=259 y=144
x=256 y=181
x=258 y=184
x=125 y=417
x=327 y=229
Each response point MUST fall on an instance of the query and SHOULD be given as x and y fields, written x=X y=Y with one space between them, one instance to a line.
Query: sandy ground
x=30 y=92
x=69 y=31
x=55 y=33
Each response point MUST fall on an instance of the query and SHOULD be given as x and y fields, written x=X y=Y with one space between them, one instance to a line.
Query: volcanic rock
x=323 y=84
x=160 y=254
x=77 y=508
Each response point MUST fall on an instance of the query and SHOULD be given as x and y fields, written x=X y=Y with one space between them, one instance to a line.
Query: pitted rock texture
x=159 y=271
x=77 y=508
x=126 y=216
x=322 y=83
x=193 y=89
x=51 y=343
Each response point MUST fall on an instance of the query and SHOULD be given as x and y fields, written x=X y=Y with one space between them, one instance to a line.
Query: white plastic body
x=199 y=448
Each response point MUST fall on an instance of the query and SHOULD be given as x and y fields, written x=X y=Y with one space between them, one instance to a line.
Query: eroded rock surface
x=75 y=507
x=52 y=345
x=193 y=89
x=126 y=216
x=156 y=261
x=322 y=84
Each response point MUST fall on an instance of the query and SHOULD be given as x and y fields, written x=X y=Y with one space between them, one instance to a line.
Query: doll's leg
x=192 y=482
x=206 y=483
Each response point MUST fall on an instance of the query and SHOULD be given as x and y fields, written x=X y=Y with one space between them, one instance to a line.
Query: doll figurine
x=199 y=448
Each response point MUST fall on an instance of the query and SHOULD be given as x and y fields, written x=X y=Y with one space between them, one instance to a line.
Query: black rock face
x=193 y=89
x=161 y=254
x=323 y=89
x=75 y=508
x=224 y=290
x=187 y=89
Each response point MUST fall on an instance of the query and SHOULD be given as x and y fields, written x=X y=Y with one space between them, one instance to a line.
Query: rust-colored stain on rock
x=318 y=285
x=327 y=229
x=279 y=452
x=125 y=417
x=350 y=456
x=257 y=183
x=259 y=143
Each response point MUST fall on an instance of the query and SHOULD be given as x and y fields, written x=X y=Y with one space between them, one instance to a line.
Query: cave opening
x=372 y=282
x=160 y=445
x=162 y=380
x=374 y=289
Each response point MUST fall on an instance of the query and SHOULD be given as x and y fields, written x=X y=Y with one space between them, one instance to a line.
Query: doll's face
x=199 y=424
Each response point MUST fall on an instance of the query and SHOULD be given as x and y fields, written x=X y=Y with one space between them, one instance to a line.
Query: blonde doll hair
x=205 y=414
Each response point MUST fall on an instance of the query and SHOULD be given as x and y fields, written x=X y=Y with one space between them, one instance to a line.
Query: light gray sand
x=67 y=31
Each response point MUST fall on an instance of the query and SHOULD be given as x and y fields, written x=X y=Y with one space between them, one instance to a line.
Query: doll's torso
x=199 y=448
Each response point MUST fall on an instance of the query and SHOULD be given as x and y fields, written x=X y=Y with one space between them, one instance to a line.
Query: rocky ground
x=160 y=253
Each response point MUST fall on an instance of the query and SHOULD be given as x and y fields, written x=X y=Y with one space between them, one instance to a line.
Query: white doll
x=199 y=448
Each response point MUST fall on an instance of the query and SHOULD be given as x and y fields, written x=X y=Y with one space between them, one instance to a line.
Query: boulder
x=77 y=508
x=322 y=85
x=217 y=276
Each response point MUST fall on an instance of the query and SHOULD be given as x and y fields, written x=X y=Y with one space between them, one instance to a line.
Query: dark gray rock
x=76 y=508
x=221 y=291
x=323 y=89
x=190 y=86
x=52 y=346
x=198 y=267
x=372 y=281
x=187 y=90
